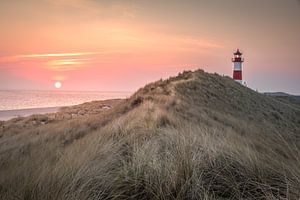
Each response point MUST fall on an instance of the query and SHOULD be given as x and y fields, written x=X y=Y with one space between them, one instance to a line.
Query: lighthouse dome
x=237 y=52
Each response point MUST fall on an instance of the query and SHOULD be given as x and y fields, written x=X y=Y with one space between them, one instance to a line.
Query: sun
x=57 y=84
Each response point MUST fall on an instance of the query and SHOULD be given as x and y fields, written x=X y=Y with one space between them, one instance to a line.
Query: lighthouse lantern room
x=237 y=66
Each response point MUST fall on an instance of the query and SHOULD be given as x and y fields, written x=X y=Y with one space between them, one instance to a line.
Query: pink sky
x=122 y=45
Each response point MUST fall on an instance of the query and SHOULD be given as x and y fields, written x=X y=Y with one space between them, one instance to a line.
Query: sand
x=9 y=114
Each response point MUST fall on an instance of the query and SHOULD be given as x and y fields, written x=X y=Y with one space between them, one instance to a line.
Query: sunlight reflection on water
x=10 y=100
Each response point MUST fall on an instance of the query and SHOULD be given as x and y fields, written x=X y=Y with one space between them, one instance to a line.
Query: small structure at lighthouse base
x=237 y=66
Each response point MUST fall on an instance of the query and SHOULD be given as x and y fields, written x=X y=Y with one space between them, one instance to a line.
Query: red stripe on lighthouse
x=237 y=75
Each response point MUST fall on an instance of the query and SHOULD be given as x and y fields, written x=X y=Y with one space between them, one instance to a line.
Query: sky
x=120 y=45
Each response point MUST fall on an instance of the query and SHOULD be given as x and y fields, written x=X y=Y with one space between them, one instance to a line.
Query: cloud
x=24 y=57
x=59 y=54
x=68 y=64
x=68 y=61
x=76 y=61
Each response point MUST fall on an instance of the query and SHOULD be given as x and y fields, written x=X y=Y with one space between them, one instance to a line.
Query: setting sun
x=57 y=84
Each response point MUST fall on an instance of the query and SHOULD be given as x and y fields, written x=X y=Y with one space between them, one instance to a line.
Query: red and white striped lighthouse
x=237 y=66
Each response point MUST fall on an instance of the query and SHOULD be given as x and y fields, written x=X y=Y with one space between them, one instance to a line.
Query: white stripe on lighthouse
x=237 y=66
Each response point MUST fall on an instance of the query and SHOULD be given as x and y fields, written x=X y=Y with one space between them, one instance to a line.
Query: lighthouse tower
x=237 y=66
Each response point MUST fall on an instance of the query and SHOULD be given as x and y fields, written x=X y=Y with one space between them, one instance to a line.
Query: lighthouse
x=237 y=66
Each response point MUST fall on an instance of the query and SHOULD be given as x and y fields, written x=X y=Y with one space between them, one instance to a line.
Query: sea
x=15 y=100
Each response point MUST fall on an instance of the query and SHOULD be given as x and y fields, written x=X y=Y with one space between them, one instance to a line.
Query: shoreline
x=6 y=115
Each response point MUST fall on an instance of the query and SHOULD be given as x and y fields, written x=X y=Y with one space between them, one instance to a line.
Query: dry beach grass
x=194 y=136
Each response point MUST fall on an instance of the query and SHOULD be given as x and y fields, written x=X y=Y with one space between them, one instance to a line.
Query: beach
x=24 y=103
x=62 y=112
x=10 y=114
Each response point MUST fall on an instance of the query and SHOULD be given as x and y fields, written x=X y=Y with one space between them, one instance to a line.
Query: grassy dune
x=194 y=136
